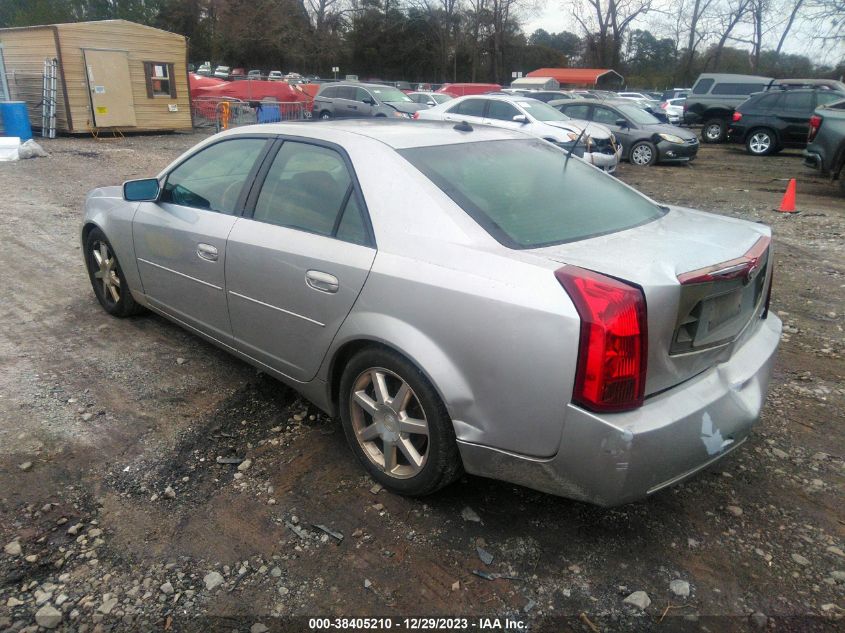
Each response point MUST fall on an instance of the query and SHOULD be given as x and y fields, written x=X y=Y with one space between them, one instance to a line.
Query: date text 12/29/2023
x=481 y=623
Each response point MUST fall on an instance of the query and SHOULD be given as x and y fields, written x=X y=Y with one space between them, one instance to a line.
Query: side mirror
x=431 y=103
x=520 y=118
x=370 y=101
x=621 y=123
x=144 y=190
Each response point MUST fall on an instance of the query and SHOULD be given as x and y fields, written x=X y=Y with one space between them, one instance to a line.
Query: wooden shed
x=112 y=74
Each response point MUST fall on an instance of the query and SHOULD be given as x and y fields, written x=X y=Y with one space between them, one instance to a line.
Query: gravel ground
x=116 y=512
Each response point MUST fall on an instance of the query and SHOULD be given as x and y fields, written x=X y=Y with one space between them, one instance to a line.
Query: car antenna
x=463 y=126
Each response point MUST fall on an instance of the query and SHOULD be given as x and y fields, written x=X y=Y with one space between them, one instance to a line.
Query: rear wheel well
x=347 y=351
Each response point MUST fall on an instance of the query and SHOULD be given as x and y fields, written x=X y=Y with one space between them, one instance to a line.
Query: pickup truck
x=712 y=100
x=826 y=149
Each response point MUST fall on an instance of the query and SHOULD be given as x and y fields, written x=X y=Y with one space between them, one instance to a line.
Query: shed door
x=110 y=88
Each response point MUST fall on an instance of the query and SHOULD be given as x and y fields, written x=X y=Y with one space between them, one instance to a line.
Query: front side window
x=553 y=201
x=577 y=111
x=305 y=189
x=501 y=111
x=362 y=95
x=542 y=111
x=605 y=115
x=212 y=179
x=638 y=115
x=160 y=79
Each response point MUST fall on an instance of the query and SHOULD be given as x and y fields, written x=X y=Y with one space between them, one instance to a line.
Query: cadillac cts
x=462 y=298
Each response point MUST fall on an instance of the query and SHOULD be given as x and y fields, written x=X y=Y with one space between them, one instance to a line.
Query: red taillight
x=614 y=340
x=664 y=105
x=736 y=116
x=416 y=115
x=815 y=124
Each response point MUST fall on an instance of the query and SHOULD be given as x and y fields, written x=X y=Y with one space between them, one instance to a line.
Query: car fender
x=106 y=209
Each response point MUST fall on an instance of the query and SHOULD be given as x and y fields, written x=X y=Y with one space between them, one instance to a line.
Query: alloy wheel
x=760 y=143
x=106 y=272
x=641 y=155
x=713 y=132
x=389 y=422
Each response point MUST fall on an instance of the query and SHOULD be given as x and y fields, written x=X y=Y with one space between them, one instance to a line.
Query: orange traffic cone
x=787 y=204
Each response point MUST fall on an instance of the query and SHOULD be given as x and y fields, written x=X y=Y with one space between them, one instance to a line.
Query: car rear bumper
x=813 y=160
x=610 y=459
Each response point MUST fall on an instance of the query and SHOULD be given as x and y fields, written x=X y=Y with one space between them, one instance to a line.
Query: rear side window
x=551 y=202
x=829 y=97
x=346 y=92
x=702 y=86
x=305 y=189
x=470 y=107
x=329 y=93
x=212 y=179
x=801 y=101
x=605 y=115
x=736 y=89
x=769 y=101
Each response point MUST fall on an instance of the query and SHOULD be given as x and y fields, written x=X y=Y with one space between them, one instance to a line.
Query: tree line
x=653 y=43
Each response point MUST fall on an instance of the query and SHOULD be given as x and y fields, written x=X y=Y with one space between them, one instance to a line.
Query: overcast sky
x=554 y=16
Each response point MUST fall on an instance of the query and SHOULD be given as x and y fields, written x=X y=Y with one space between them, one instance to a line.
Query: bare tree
x=608 y=21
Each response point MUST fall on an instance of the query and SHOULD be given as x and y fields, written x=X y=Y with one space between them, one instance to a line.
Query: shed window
x=160 y=79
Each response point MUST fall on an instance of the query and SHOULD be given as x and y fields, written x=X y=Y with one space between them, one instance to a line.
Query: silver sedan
x=463 y=298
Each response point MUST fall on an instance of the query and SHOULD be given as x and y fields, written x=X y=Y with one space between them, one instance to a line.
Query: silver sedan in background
x=472 y=300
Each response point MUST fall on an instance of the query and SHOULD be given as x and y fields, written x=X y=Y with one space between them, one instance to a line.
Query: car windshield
x=441 y=98
x=542 y=111
x=526 y=195
x=638 y=115
x=389 y=94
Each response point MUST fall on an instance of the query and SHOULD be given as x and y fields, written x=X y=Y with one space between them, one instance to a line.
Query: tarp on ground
x=252 y=90
x=196 y=82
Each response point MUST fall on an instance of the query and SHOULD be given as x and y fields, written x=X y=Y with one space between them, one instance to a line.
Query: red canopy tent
x=195 y=82
x=251 y=90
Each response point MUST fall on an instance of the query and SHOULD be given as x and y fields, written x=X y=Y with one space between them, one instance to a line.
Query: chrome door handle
x=324 y=282
x=207 y=252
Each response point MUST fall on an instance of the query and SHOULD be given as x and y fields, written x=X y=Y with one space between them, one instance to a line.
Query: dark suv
x=767 y=122
x=713 y=99
x=358 y=100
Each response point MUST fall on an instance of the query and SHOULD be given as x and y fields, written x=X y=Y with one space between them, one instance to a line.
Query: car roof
x=394 y=133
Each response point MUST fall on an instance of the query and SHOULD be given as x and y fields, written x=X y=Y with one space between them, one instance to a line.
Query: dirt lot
x=115 y=512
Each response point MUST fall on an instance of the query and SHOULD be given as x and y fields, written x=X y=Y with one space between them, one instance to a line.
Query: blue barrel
x=15 y=119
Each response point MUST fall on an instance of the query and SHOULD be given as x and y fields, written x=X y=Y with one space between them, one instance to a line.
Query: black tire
x=761 y=141
x=442 y=464
x=714 y=131
x=325 y=115
x=125 y=305
x=643 y=154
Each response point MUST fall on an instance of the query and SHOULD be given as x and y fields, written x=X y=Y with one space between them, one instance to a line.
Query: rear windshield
x=524 y=194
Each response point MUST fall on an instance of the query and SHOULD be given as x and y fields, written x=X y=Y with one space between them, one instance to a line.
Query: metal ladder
x=48 y=98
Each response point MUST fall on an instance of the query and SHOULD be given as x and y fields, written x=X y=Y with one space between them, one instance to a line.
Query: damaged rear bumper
x=610 y=459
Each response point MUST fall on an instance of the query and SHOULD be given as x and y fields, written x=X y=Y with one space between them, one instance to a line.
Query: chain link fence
x=225 y=113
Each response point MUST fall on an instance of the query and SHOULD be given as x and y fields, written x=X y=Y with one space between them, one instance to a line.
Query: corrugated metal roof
x=585 y=76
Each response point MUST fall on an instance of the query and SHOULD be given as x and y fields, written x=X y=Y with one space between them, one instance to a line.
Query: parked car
x=548 y=95
x=712 y=100
x=625 y=345
x=674 y=93
x=205 y=69
x=633 y=95
x=276 y=75
x=674 y=109
x=429 y=98
x=342 y=100
x=826 y=142
x=645 y=140
x=222 y=72
x=767 y=122
x=594 y=143
x=255 y=74
x=237 y=74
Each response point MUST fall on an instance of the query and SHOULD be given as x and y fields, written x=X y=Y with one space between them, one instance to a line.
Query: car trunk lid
x=704 y=278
